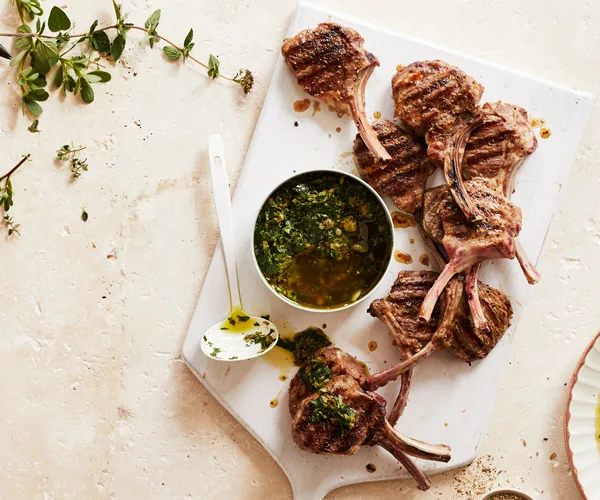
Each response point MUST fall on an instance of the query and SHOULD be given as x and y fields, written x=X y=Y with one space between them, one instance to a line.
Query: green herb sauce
x=322 y=240
x=304 y=344
x=328 y=407
x=315 y=373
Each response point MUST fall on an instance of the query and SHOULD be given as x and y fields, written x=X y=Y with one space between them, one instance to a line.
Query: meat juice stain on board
x=545 y=132
x=274 y=403
x=403 y=220
x=316 y=107
x=424 y=259
x=402 y=257
x=372 y=345
x=301 y=106
x=371 y=468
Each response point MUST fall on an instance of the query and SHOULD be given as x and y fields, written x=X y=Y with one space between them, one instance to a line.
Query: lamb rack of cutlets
x=399 y=312
x=440 y=102
x=331 y=64
x=467 y=243
x=334 y=412
x=403 y=177
x=455 y=331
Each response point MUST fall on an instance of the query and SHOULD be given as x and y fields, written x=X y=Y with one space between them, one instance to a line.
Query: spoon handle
x=222 y=199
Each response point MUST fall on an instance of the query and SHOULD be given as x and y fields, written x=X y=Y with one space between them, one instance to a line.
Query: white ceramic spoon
x=240 y=335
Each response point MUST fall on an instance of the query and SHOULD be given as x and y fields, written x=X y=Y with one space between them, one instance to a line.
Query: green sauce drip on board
x=322 y=240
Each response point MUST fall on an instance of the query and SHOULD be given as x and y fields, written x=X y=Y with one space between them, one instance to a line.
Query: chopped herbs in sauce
x=243 y=319
x=304 y=344
x=215 y=351
x=328 y=407
x=315 y=373
x=322 y=239
x=264 y=339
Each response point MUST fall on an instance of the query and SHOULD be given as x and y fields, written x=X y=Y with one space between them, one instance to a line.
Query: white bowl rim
x=567 y=416
x=387 y=266
x=513 y=491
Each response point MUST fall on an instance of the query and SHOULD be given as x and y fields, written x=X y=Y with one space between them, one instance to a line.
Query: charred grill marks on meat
x=331 y=64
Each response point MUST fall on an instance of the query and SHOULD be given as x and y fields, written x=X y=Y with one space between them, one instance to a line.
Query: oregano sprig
x=73 y=155
x=38 y=53
x=6 y=197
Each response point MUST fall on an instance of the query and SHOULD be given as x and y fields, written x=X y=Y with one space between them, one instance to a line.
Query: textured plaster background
x=95 y=400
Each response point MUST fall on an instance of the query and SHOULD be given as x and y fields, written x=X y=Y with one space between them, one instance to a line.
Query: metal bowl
x=386 y=265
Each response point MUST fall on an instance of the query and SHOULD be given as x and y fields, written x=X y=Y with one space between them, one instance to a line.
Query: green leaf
x=101 y=42
x=102 y=75
x=213 y=66
x=45 y=55
x=152 y=22
x=69 y=83
x=38 y=95
x=84 y=215
x=92 y=78
x=33 y=107
x=77 y=86
x=93 y=27
x=58 y=20
x=87 y=92
x=117 y=48
x=58 y=76
x=33 y=128
x=23 y=43
x=172 y=53
x=17 y=59
x=189 y=38
x=117 y=10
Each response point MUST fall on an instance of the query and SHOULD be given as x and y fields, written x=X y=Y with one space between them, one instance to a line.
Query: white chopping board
x=450 y=401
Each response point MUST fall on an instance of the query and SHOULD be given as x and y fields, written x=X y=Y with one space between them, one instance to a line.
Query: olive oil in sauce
x=274 y=403
x=545 y=132
x=281 y=360
x=377 y=115
x=238 y=322
x=301 y=106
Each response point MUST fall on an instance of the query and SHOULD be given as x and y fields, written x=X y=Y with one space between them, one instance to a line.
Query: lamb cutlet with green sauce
x=322 y=239
x=334 y=411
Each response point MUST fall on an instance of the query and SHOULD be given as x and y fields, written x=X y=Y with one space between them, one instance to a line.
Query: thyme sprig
x=38 y=53
x=6 y=197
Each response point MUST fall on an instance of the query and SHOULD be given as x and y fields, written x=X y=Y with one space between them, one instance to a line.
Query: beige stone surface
x=95 y=400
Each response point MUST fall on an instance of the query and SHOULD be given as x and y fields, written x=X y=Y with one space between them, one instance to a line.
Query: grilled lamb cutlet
x=460 y=334
x=331 y=64
x=333 y=414
x=402 y=178
x=467 y=243
x=441 y=102
x=399 y=312
x=496 y=150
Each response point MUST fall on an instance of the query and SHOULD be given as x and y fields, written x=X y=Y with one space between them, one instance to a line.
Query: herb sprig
x=38 y=53
x=73 y=156
x=6 y=197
